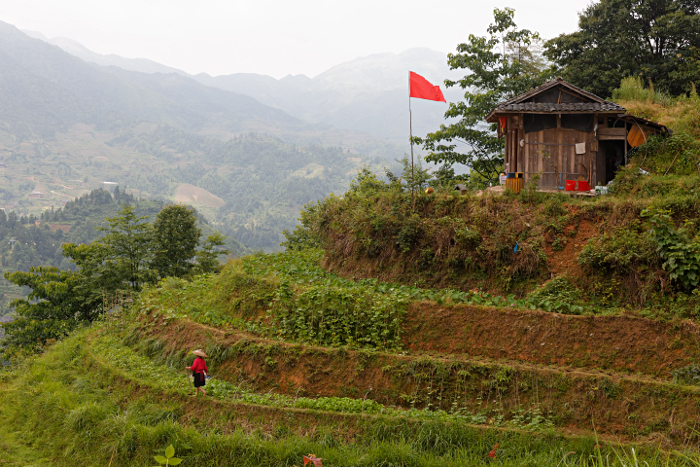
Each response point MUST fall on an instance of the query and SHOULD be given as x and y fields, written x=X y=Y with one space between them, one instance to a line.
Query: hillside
x=354 y=372
x=365 y=95
x=36 y=240
x=70 y=127
x=417 y=333
x=46 y=90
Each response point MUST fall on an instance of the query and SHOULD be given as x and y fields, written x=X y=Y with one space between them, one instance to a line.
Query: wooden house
x=563 y=132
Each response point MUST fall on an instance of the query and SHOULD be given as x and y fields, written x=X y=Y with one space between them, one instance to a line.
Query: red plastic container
x=577 y=185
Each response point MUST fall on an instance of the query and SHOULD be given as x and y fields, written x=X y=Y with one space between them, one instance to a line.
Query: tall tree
x=175 y=240
x=654 y=39
x=55 y=306
x=119 y=260
x=129 y=242
x=208 y=255
x=501 y=65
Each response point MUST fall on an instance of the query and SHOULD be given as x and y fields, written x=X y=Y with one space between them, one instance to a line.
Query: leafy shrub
x=680 y=253
x=678 y=154
x=559 y=295
x=330 y=315
x=687 y=375
x=619 y=250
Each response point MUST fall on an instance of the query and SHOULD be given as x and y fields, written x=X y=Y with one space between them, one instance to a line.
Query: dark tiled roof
x=517 y=104
x=552 y=107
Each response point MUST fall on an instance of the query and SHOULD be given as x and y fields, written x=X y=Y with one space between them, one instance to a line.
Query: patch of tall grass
x=681 y=114
x=632 y=89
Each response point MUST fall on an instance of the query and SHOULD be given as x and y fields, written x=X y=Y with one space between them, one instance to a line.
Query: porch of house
x=500 y=189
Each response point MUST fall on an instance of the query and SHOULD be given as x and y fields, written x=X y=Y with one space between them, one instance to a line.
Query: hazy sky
x=277 y=37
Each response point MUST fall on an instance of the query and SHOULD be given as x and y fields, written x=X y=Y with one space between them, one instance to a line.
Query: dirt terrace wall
x=619 y=343
x=625 y=406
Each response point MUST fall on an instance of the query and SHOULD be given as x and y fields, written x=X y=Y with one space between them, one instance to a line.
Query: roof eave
x=491 y=116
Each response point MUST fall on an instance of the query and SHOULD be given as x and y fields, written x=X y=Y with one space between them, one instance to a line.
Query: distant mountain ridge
x=75 y=48
x=68 y=126
x=368 y=94
x=44 y=89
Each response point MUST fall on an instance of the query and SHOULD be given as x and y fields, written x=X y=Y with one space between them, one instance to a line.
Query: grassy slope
x=118 y=386
x=89 y=397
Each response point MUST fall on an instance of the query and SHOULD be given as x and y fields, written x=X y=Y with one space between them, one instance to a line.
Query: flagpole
x=410 y=129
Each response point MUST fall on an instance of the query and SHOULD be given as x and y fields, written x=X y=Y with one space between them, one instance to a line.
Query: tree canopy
x=56 y=305
x=658 y=40
x=175 y=240
x=501 y=65
x=132 y=253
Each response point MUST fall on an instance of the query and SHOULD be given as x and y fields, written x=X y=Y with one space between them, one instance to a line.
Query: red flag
x=422 y=89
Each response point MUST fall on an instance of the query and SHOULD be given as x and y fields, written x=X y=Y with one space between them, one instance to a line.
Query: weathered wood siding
x=549 y=152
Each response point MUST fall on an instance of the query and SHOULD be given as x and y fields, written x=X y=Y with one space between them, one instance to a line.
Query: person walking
x=199 y=371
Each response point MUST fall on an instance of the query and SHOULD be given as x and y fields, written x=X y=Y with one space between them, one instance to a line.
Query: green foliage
x=60 y=301
x=169 y=458
x=27 y=241
x=557 y=295
x=501 y=65
x=620 y=250
x=175 y=240
x=302 y=236
x=678 y=154
x=687 y=375
x=655 y=39
x=366 y=182
x=679 y=252
x=56 y=305
x=119 y=260
x=416 y=177
x=328 y=315
x=208 y=255
x=129 y=246
x=632 y=89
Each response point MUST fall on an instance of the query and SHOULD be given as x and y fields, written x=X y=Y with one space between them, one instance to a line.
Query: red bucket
x=577 y=185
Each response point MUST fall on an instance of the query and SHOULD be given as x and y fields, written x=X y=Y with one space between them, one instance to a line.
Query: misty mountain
x=368 y=94
x=68 y=126
x=75 y=48
x=43 y=89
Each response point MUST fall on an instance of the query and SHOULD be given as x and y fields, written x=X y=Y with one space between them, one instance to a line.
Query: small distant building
x=36 y=194
x=461 y=188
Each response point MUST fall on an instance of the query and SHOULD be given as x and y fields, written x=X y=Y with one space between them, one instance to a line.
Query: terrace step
x=230 y=415
x=625 y=344
x=616 y=404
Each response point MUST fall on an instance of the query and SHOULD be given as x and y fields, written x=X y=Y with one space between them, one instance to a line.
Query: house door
x=611 y=156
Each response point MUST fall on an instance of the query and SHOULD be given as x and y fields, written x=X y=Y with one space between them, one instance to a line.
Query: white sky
x=274 y=37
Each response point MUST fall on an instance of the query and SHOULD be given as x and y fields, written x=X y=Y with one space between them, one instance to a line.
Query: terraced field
x=442 y=382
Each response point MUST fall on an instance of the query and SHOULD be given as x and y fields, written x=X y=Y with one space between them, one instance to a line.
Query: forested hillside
x=27 y=241
x=67 y=126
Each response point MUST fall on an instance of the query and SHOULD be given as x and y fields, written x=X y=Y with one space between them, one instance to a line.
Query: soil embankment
x=617 y=343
